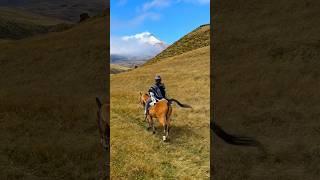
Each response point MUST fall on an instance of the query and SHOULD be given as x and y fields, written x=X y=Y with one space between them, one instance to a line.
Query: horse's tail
x=180 y=104
x=98 y=103
x=167 y=113
x=231 y=139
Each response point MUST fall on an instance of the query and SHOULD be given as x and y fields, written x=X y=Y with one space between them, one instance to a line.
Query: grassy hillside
x=19 y=15
x=137 y=153
x=198 y=38
x=266 y=69
x=17 y=24
x=62 y=9
x=115 y=68
x=47 y=103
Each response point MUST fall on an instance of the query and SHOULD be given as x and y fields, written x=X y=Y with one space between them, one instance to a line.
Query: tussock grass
x=137 y=153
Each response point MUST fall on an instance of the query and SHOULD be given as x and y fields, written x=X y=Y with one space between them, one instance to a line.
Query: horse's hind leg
x=168 y=130
x=162 y=121
x=164 y=137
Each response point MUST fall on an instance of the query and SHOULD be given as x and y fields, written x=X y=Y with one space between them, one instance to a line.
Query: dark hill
x=266 y=68
x=69 y=10
x=47 y=103
x=18 y=24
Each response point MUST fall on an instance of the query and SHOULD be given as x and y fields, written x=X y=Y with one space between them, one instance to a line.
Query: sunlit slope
x=48 y=85
x=137 y=153
x=115 y=68
x=198 y=38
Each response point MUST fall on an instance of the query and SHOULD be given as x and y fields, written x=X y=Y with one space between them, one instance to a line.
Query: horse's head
x=143 y=98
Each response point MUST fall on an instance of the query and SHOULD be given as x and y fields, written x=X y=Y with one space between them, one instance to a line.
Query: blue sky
x=168 y=20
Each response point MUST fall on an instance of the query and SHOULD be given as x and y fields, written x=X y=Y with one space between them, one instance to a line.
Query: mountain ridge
x=197 y=38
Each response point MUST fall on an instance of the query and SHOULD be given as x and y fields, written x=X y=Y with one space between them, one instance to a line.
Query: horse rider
x=156 y=92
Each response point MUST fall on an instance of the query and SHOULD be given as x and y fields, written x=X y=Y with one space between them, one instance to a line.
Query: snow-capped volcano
x=145 y=37
x=142 y=46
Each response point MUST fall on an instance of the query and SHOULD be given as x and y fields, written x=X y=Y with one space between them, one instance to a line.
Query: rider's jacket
x=157 y=91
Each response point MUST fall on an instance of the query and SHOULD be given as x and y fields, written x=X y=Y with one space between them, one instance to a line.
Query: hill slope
x=198 y=38
x=17 y=24
x=62 y=9
x=267 y=86
x=47 y=103
x=137 y=153
x=115 y=68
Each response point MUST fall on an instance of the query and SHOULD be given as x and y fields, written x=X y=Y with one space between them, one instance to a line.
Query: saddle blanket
x=152 y=103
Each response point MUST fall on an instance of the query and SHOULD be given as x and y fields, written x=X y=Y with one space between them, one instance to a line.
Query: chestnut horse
x=162 y=111
x=228 y=138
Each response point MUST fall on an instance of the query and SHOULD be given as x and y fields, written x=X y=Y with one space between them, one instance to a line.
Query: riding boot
x=145 y=116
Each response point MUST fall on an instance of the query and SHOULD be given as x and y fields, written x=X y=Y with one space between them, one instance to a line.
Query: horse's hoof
x=153 y=132
x=164 y=138
x=148 y=128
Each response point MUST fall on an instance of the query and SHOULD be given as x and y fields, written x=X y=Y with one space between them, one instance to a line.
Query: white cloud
x=145 y=12
x=142 y=45
x=201 y=2
x=166 y=3
x=156 y=4
x=145 y=37
x=121 y=2
x=144 y=16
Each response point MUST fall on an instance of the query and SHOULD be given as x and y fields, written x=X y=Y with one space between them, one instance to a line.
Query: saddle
x=152 y=103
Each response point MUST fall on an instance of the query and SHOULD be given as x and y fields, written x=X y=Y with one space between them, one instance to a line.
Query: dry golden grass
x=198 y=38
x=115 y=68
x=138 y=154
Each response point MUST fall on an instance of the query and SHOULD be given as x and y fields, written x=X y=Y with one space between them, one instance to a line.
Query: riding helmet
x=157 y=77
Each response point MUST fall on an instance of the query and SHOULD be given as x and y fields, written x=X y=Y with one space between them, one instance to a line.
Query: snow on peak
x=139 y=46
x=144 y=37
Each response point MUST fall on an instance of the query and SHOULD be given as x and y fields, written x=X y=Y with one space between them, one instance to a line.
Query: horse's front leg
x=149 y=119
x=153 y=128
